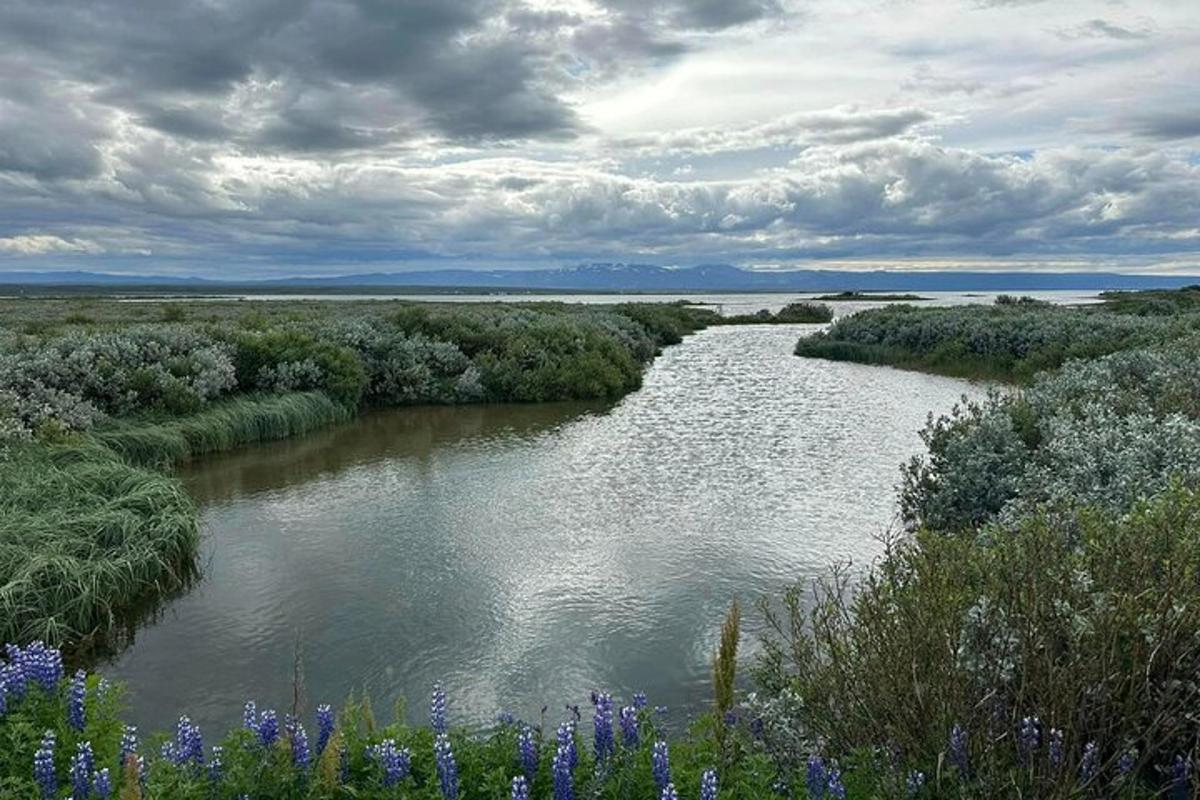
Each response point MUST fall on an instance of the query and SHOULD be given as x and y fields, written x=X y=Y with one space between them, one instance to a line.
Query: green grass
x=84 y=539
x=222 y=426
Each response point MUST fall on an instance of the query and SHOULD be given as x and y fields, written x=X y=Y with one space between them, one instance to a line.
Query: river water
x=523 y=555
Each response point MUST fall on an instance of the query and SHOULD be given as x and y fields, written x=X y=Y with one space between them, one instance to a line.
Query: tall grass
x=222 y=426
x=84 y=539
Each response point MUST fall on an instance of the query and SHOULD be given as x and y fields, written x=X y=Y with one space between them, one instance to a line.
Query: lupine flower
x=1089 y=765
x=564 y=780
x=640 y=701
x=661 y=762
x=602 y=722
x=837 y=789
x=566 y=739
x=76 y=715
x=325 y=724
x=669 y=793
x=708 y=785
x=1055 y=748
x=102 y=784
x=250 y=716
x=815 y=777
x=1029 y=737
x=129 y=743
x=630 y=735
x=298 y=737
x=447 y=768
x=757 y=726
x=437 y=709
x=1126 y=762
x=216 y=764
x=527 y=750
x=395 y=761
x=82 y=765
x=189 y=744
x=43 y=767
x=1180 y=779
x=958 y=750
x=915 y=782
x=3 y=694
x=268 y=728
x=520 y=789
x=506 y=718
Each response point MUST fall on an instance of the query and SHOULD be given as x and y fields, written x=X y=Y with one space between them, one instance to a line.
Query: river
x=524 y=555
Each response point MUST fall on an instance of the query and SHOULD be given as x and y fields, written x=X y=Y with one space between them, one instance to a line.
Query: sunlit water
x=525 y=554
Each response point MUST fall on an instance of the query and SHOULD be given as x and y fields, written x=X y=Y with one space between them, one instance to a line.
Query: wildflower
x=325 y=724
x=527 y=750
x=1055 y=748
x=43 y=767
x=395 y=761
x=708 y=785
x=520 y=789
x=1126 y=762
x=250 y=716
x=630 y=735
x=564 y=781
x=757 y=727
x=268 y=728
x=506 y=718
x=661 y=762
x=639 y=700
x=82 y=766
x=958 y=750
x=447 y=768
x=102 y=784
x=189 y=744
x=216 y=764
x=1028 y=738
x=129 y=744
x=915 y=782
x=437 y=709
x=1181 y=771
x=602 y=722
x=815 y=779
x=837 y=789
x=76 y=715
x=1089 y=765
x=566 y=739
x=298 y=737
x=3 y=695
x=669 y=793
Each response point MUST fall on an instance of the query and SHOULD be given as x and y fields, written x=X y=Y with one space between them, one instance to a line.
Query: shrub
x=296 y=360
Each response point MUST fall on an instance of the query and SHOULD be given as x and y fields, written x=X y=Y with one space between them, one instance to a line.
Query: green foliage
x=792 y=313
x=289 y=359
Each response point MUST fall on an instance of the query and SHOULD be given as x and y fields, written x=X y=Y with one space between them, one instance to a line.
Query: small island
x=842 y=297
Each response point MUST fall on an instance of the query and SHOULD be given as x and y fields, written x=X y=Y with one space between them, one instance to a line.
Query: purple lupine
x=640 y=701
x=1181 y=779
x=447 y=767
x=708 y=785
x=83 y=763
x=1054 y=748
x=216 y=764
x=129 y=744
x=837 y=789
x=602 y=723
x=566 y=739
x=564 y=778
x=630 y=733
x=395 y=761
x=15 y=675
x=527 y=751
x=915 y=782
x=506 y=718
x=40 y=664
x=268 y=728
x=1126 y=762
x=815 y=777
x=298 y=738
x=76 y=695
x=520 y=789
x=43 y=767
x=189 y=743
x=437 y=710
x=958 y=750
x=102 y=784
x=660 y=760
x=1028 y=738
x=1089 y=764
x=325 y=725
x=669 y=793
x=250 y=716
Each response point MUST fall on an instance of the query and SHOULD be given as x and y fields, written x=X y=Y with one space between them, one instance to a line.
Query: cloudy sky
x=267 y=137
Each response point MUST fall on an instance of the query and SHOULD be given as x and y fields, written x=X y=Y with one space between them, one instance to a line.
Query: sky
x=257 y=138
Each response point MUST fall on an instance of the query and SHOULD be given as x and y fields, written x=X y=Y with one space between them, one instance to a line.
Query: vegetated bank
x=93 y=392
x=842 y=297
x=1035 y=633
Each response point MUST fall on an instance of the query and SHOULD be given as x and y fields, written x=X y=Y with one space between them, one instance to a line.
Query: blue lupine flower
x=1181 y=779
x=815 y=777
x=602 y=722
x=15 y=677
x=640 y=701
x=1126 y=762
x=102 y=784
x=3 y=693
x=566 y=739
x=669 y=793
x=1028 y=738
x=37 y=663
x=298 y=737
x=708 y=785
x=1055 y=748
x=129 y=744
x=43 y=767
x=325 y=725
x=268 y=728
x=915 y=782
x=520 y=789
x=527 y=750
x=250 y=716
x=189 y=744
x=437 y=709
x=216 y=764
x=395 y=761
x=837 y=789
x=83 y=763
x=506 y=718
x=564 y=779
x=757 y=727
x=958 y=750
x=1089 y=765
x=660 y=760
x=447 y=768
x=76 y=715
x=630 y=734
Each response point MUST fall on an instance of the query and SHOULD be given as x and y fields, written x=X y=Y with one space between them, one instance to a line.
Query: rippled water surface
x=526 y=554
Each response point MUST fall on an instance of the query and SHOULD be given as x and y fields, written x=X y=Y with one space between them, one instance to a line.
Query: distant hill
x=629 y=278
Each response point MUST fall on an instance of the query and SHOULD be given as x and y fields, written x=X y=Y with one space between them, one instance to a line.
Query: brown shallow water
x=526 y=554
